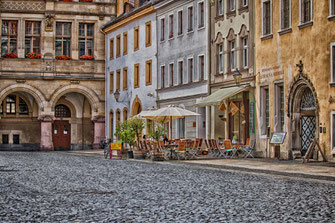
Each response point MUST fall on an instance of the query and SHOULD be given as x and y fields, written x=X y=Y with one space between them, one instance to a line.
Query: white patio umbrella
x=167 y=114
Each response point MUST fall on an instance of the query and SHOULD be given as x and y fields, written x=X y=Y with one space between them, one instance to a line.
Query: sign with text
x=116 y=146
x=277 y=137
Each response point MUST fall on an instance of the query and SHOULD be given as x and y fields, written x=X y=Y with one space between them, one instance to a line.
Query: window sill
x=162 y=41
x=285 y=31
x=266 y=37
x=171 y=38
x=305 y=25
x=332 y=84
x=136 y=49
x=201 y=28
x=180 y=35
x=190 y=31
x=219 y=74
x=147 y=45
x=231 y=14
x=219 y=17
x=243 y=9
x=331 y=18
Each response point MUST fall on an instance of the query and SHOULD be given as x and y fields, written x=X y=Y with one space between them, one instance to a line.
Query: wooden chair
x=229 y=149
x=181 y=150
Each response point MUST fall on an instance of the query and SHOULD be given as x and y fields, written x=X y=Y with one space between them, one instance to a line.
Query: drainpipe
x=209 y=45
x=82 y=125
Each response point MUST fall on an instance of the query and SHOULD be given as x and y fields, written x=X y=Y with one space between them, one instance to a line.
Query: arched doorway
x=136 y=107
x=303 y=112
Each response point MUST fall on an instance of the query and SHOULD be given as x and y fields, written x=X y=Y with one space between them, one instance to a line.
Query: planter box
x=139 y=154
x=157 y=156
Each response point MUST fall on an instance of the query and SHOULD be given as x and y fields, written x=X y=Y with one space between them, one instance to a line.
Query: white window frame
x=332 y=113
x=281 y=15
x=180 y=61
x=200 y=26
x=263 y=1
x=245 y=52
x=331 y=8
x=332 y=71
x=220 y=10
x=180 y=23
x=188 y=69
x=232 y=55
x=300 y=12
x=162 y=29
x=245 y=5
x=171 y=26
x=171 y=81
x=162 y=83
x=190 y=28
x=231 y=9
x=199 y=67
x=220 y=60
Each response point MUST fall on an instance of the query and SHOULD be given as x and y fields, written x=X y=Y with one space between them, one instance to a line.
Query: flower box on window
x=63 y=57
x=10 y=55
x=87 y=57
x=33 y=55
x=86 y=0
x=65 y=0
x=171 y=35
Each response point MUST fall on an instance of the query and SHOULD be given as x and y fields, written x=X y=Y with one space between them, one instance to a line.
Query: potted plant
x=10 y=55
x=136 y=125
x=157 y=132
x=127 y=135
x=86 y=57
x=63 y=57
x=33 y=55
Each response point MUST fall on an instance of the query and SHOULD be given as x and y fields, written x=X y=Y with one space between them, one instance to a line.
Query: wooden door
x=61 y=135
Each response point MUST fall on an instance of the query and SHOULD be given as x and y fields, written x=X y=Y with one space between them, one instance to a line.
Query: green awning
x=218 y=96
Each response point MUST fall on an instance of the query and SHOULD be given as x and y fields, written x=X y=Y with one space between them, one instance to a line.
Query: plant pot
x=130 y=154
x=157 y=156
x=139 y=154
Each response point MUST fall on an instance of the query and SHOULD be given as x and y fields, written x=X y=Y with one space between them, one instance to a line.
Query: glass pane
x=66 y=46
x=4 y=45
x=81 y=47
x=29 y=27
x=59 y=29
x=4 y=28
x=67 y=29
x=13 y=45
x=59 y=47
x=23 y=108
x=1 y=109
x=90 y=29
x=37 y=28
x=81 y=29
x=27 y=47
x=90 y=47
x=36 y=44
x=13 y=28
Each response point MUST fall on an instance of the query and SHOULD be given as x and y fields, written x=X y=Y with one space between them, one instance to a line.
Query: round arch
x=34 y=92
x=67 y=103
x=88 y=93
x=136 y=107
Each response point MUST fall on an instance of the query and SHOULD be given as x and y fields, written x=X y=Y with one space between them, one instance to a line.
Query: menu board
x=277 y=137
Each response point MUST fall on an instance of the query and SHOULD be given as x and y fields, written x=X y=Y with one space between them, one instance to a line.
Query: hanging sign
x=252 y=117
x=233 y=108
x=222 y=107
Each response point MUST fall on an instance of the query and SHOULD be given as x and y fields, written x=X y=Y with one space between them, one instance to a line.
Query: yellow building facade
x=294 y=75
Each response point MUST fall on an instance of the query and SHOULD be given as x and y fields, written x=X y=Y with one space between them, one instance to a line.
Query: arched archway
x=136 y=107
x=303 y=110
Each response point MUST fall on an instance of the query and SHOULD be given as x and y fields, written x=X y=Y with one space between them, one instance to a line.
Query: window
x=32 y=37
x=171 y=74
x=231 y=5
x=11 y=104
x=181 y=72
x=331 y=7
x=23 y=107
x=86 y=33
x=148 y=34
x=305 y=11
x=118 y=45
x=190 y=70
x=118 y=80
x=201 y=67
x=63 y=38
x=5 y=139
x=16 y=139
x=181 y=126
x=62 y=111
x=190 y=19
x=279 y=102
x=136 y=75
x=118 y=117
x=285 y=10
x=8 y=37
x=125 y=114
x=125 y=79
x=332 y=61
x=244 y=3
x=245 y=60
x=170 y=26
x=232 y=57
x=267 y=17
x=265 y=110
x=1 y=108
x=111 y=49
x=162 y=76
x=180 y=22
x=162 y=29
x=136 y=38
x=201 y=15
x=220 y=8
x=125 y=43
x=220 y=58
x=111 y=82
x=148 y=72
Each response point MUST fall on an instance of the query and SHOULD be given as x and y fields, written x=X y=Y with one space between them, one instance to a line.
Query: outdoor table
x=171 y=147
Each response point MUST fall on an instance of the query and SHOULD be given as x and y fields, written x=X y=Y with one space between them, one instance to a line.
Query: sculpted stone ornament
x=49 y=19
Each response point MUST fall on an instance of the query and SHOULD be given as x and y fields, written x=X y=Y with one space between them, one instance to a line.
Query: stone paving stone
x=55 y=187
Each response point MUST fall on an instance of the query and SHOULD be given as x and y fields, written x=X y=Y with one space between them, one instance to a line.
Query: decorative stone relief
x=231 y=35
x=49 y=20
x=22 y=5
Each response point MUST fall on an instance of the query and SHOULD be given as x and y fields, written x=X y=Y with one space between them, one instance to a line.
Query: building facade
x=183 y=62
x=295 y=74
x=52 y=74
x=232 y=50
x=131 y=63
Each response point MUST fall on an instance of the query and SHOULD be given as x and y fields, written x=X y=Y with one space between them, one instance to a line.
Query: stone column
x=46 y=132
x=99 y=130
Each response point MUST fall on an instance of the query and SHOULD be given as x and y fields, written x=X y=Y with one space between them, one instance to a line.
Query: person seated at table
x=165 y=140
x=144 y=137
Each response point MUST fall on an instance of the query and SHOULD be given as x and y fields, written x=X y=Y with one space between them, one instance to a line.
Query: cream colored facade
x=308 y=90
x=47 y=83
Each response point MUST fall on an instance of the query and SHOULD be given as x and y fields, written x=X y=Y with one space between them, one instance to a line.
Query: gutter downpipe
x=209 y=40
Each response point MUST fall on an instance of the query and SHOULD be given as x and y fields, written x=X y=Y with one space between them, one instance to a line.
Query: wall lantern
x=237 y=76
x=117 y=95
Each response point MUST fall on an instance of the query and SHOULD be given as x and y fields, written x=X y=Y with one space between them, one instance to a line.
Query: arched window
x=307 y=101
x=125 y=114
x=62 y=111
x=118 y=116
x=14 y=104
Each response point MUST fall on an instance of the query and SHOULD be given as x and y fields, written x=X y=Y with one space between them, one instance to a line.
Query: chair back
x=200 y=143
x=196 y=144
x=191 y=144
x=182 y=146
x=227 y=144
x=207 y=144
x=215 y=143
x=161 y=145
x=248 y=142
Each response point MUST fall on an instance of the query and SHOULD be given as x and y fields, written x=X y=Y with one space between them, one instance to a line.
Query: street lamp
x=117 y=95
x=237 y=76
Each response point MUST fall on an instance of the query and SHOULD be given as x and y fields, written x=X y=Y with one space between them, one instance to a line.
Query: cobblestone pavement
x=58 y=187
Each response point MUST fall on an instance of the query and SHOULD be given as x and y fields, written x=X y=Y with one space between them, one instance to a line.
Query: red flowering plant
x=33 y=55
x=87 y=57
x=86 y=0
x=10 y=55
x=63 y=57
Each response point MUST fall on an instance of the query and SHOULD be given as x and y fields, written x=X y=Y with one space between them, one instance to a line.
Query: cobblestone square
x=60 y=187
